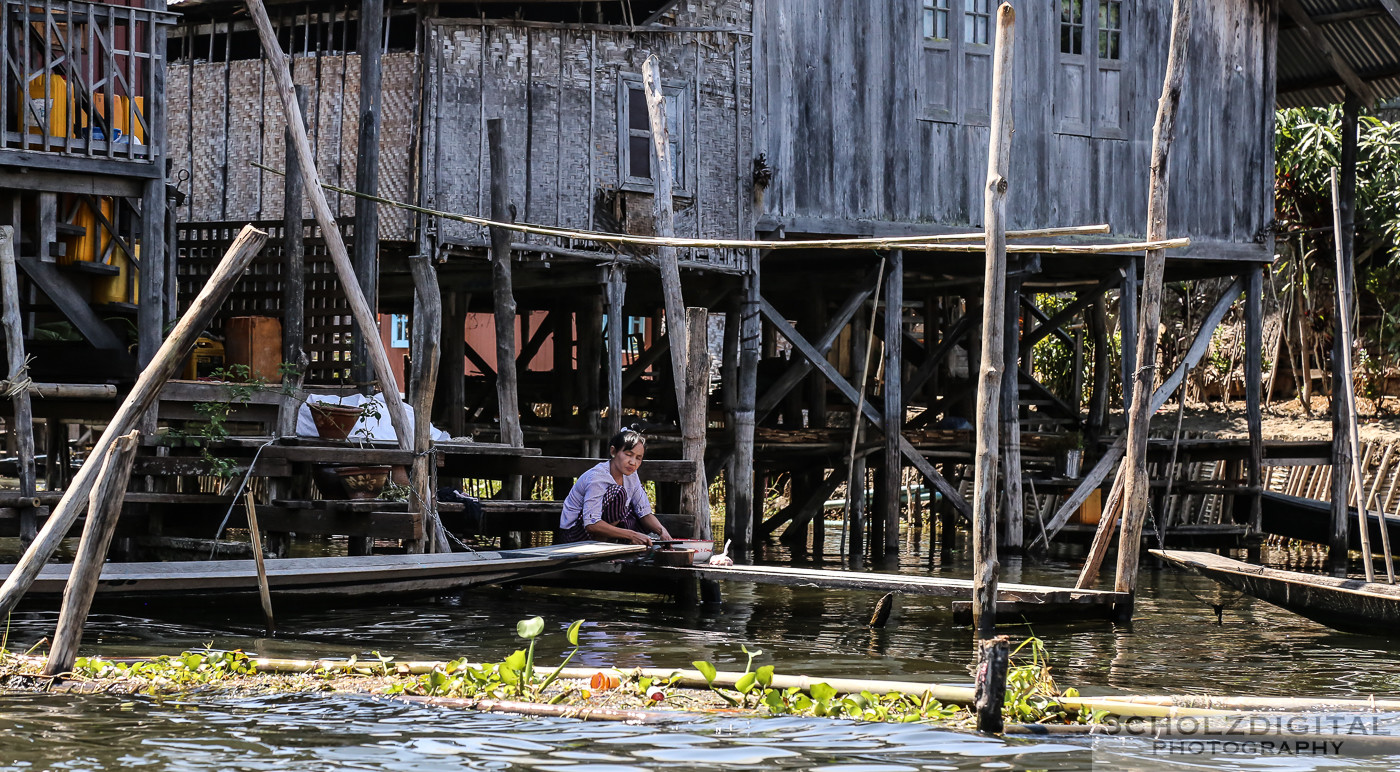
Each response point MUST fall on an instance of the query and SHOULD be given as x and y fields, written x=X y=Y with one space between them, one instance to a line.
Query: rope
x=19 y=381
x=953 y=242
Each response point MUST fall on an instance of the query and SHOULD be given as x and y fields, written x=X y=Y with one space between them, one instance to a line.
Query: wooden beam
x=427 y=342
x=138 y=401
x=891 y=471
x=1319 y=40
x=1009 y=409
x=71 y=303
x=293 y=279
x=936 y=356
x=739 y=506
x=1344 y=228
x=617 y=330
x=22 y=429
x=695 y=494
x=911 y=453
x=802 y=512
x=1253 y=386
x=536 y=341
x=1082 y=300
x=1046 y=326
x=985 y=569
x=1135 y=486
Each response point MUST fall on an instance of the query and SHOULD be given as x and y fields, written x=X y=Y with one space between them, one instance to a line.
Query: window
x=1110 y=28
x=634 y=135
x=936 y=19
x=977 y=26
x=398 y=330
x=1072 y=27
x=1092 y=87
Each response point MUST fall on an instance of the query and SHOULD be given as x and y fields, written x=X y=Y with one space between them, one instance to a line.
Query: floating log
x=143 y=395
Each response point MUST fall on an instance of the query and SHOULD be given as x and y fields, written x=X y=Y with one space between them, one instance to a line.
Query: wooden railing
x=82 y=78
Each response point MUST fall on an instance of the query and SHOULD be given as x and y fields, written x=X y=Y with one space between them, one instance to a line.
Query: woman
x=608 y=502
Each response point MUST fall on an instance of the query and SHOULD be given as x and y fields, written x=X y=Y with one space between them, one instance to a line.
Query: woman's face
x=628 y=461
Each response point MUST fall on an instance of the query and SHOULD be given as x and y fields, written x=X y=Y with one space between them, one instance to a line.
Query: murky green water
x=1175 y=645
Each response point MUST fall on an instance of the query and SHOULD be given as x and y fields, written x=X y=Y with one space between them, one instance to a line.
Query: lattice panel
x=259 y=293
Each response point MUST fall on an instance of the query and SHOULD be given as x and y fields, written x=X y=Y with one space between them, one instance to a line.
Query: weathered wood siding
x=558 y=91
x=862 y=124
x=226 y=115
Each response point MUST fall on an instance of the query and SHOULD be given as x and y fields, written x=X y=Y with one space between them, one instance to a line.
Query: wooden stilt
x=507 y=389
x=1344 y=204
x=452 y=373
x=695 y=496
x=1012 y=495
x=1253 y=382
x=104 y=508
x=985 y=568
x=1135 y=487
x=293 y=283
x=1128 y=327
x=662 y=208
x=427 y=334
x=143 y=394
x=617 y=334
x=739 y=509
x=1098 y=395
x=22 y=429
x=993 y=658
x=365 y=259
x=891 y=470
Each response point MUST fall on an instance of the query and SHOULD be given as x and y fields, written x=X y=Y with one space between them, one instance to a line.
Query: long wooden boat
x=326 y=579
x=1352 y=605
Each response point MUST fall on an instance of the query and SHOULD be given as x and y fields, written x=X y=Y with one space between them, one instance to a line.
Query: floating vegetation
x=1032 y=695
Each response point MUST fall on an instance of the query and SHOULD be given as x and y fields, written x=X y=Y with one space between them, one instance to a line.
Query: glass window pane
x=941 y=28
x=637 y=109
x=639 y=157
x=928 y=23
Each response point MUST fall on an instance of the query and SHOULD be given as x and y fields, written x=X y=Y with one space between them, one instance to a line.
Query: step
x=69 y=229
x=91 y=268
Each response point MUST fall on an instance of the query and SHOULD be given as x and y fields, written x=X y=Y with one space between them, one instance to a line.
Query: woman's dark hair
x=627 y=439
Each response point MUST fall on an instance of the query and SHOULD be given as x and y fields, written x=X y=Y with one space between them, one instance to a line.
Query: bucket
x=255 y=341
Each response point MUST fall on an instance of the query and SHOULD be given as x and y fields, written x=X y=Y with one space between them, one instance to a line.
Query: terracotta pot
x=364 y=482
x=334 y=422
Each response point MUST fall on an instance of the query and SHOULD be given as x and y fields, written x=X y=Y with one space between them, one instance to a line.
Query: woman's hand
x=665 y=534
x=638 y=538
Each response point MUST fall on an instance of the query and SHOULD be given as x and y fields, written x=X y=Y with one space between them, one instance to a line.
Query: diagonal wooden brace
x=911 y=453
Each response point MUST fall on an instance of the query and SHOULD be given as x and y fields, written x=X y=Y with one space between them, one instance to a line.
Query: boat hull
x=1351 y=605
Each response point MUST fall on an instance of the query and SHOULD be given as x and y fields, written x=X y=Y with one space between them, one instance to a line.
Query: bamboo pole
x=23 y=426
x=1347 y=399
x=264 y=591
x=143 y=394
x=1135 y=487
x=503 y=292
x=984 y=497
x=104 y=509
x=695 y=495
x=335 y=245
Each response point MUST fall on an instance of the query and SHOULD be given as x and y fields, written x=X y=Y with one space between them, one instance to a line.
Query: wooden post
x=695 y=495
x=891 y=468
x=590 y=364
x=1344 y=204
x=663 y=209
x=23 y=426
x=1135 y=485
x=1344 y=394
x=293 y=282
x=264 y=591
x=104 y=508
x=366 y=245
x=151 y=312
x=426 y=351
x=984 y=497
x=1098 y=393
x=142 y=395
x=507 y=390
x=993 y=661
x=739 y=509
x=360 y=308
x=1253 y=386
x=452 y=372
x=617 y=335
x=1012 y=498
x=1127 y=327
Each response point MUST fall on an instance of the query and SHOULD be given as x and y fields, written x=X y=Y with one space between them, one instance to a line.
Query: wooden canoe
x=1352 y=605
x=326 y=579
